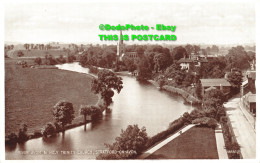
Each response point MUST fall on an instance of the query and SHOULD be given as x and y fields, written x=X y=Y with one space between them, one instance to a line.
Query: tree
x=189 y=49
x=179 y=52
x=26 y=46
x=22 y=135
x=85 y=111
x=215 y=48
x=38 y=60
x=196 y=49
x=63 y=113
x=71 y=58
x=235 y=79
x=162 y=61
x=131 y=141
x=174 y=71
x=20 y=53
x=144 y=71
x=198 y=90
x=49 y=130
x=104 y=84
x=237 y=57
x=213 y=98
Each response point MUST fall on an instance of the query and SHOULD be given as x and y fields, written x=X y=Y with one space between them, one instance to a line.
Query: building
x=186 y=63
x=121 y=52
x=192 y=62
x=248 y=85
x=219 y=83
x=249 y=102
x=251 y=77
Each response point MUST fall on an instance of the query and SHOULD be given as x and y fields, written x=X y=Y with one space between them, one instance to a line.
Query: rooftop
x=214 y=82
x=251 y=74
x=185 y=60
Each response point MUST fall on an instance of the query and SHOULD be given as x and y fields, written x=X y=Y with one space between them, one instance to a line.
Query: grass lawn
x=196 y=143
x=31 y=93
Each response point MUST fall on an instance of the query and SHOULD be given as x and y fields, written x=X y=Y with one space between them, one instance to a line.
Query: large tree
x=213 y=98
x=104 y=84
x=162 y=61
x=237 y=57
x=179 y=52
x=63 y=113
x=144 y=70
x=235 y=79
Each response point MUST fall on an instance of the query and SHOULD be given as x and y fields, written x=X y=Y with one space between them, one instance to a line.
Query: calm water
x=138 y=103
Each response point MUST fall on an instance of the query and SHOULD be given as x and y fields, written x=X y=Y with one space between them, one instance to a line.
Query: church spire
x=121 y=40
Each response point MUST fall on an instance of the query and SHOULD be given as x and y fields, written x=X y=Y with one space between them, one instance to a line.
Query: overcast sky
x=212 y=22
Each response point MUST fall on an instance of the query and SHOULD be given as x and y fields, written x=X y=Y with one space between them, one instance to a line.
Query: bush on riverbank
x=49 y=130
x=128 y=145
x=173 y=128
x=206 y=122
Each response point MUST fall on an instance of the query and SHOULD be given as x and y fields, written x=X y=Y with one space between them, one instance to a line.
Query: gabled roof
x=214 y=82
x=185 y=60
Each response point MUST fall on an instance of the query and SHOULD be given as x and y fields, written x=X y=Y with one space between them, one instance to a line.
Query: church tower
x=120 y=47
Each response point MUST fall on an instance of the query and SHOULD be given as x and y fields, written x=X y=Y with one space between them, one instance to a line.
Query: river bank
x=186 y=96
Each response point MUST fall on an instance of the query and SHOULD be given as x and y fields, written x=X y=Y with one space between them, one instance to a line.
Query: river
x=137 y=103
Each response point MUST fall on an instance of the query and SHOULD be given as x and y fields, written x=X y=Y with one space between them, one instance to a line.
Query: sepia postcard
x=129 y=80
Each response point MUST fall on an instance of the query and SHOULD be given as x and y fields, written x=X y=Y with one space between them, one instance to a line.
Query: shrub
x=37 y=134
x=38 y=61
x=11 y=139
x=71 y=58
x=20 y=54
x=206 y=121
x=173 y=127
x=49 y=130
x=22 y=135
x=93 y=70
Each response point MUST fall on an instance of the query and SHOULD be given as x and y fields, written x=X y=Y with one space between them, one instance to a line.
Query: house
x=186 y=63
x=218 y=83
x=248 y=85
x=251 y=77
x=191 y=62
x=249 y=102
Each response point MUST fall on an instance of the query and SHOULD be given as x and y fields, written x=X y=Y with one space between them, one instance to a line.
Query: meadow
x=31 y=93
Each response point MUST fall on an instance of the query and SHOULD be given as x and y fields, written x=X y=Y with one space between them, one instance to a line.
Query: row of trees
x=50 y=60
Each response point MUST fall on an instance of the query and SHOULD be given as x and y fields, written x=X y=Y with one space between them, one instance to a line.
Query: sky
x=211 y=22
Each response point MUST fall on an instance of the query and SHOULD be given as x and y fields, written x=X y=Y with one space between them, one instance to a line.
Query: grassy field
x=36 y=53
x=31 y=93
x=196 y=143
